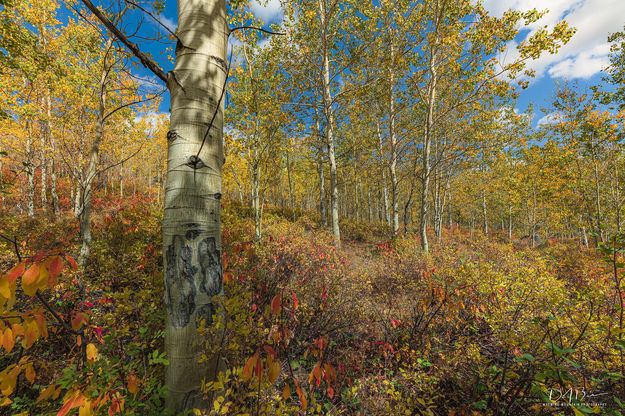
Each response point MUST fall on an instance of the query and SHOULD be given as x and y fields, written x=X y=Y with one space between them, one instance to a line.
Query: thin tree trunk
x=329 y=113
x=393 y=144
x=387 y=215
x=484 y=214
x=30 y=173
x=322 y=192
x=427 y=142
x=94 y=157
x=43 y=162
x=191 y=224
x=256 y=201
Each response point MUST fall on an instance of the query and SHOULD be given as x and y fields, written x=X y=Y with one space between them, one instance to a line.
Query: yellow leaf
x=7 y=383
x=5 y=289
x=46 y=393
x=273 y=370
x=92 y=352
x=8 y=340
x=5 y=402
x=85 y=409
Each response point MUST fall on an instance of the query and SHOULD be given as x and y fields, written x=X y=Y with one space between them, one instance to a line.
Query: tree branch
x=145 y=60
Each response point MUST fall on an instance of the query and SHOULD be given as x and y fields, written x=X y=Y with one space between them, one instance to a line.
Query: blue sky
x=581 y=60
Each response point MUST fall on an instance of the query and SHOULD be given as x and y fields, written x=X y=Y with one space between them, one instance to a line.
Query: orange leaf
x=276 y=304
x=74 y=401
x=133 y=383
x=78 y=320
x=117 y=405
x=18 y=330
x=30 y=374
x=46 y=393
x=248 y=368
x=41 y=324
x=286 y=393
x=30 y=279
x=8 y=340
x=16 y=272
x=302 y=397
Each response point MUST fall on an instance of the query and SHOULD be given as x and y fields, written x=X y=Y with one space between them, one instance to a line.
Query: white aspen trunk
x=322 y=192
x=484 y=213
x=290 y=181
x=77 y=196
x=256 y=200
x=510 y=224
x=43 y=161
x=393 y=144
x=387 y=215
x=56 y=209
x=94 y=157
x=427 y=143
x=369 y=205
x=329 y=112
x=191 y=223
x=31 y=177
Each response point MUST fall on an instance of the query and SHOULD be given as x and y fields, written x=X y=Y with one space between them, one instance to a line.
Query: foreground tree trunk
x=191 y=223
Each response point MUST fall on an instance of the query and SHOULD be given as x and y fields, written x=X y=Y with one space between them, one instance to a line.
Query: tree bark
x=427 y=143
x=94 y=157
x=387 y=215
x=393 y=144
x=256 y=201
x=191 y=223
x=31 y=177
x=329 y=113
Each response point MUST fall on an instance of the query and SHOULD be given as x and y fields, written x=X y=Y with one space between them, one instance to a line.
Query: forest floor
x=374 y=328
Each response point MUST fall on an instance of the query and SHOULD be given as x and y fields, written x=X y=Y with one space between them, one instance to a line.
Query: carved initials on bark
x=187 y=277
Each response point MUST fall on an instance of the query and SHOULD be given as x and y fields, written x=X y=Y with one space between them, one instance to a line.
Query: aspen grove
x=319 y=207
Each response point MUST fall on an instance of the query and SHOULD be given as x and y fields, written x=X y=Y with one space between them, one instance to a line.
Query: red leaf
x=330 y=392
x=71 y=261
x=276 y=304
x=55 y=267
x=295 y=301
x=16 y=272
x=270 y=351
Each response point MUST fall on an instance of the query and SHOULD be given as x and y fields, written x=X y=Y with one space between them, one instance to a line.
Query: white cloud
x=584 y=65
x=550 y=118
x=168 y=23
x=268 y=13
x=586 y=53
